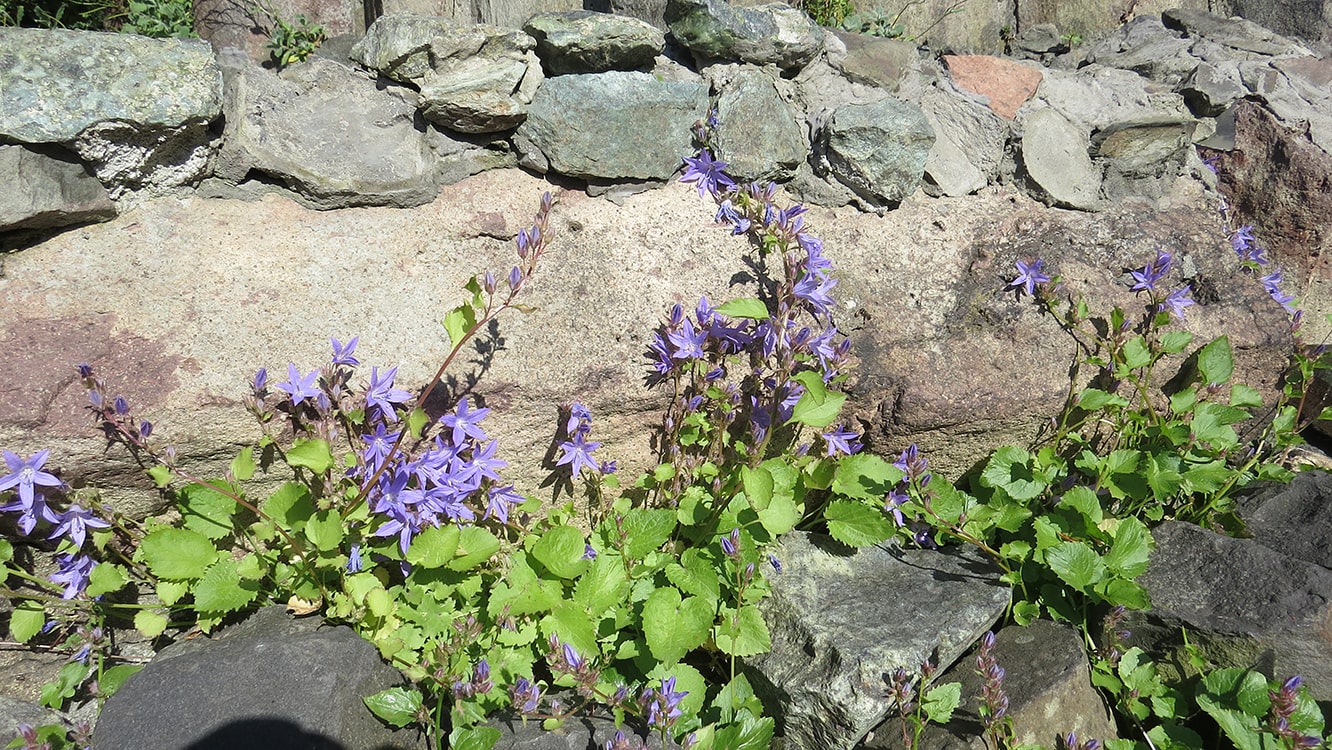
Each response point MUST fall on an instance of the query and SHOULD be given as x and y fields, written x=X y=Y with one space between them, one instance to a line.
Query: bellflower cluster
x=1070 y=742
x=1145 y=279
x=576 y=452
x=994 y=700
x=480 y=683
x=1284 y=704
x=1253 y=257
x=662 y=706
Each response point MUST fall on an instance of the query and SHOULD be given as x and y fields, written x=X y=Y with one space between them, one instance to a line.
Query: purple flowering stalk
x=994 y=701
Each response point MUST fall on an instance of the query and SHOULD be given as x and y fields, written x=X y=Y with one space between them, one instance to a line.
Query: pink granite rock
x=1006 y=83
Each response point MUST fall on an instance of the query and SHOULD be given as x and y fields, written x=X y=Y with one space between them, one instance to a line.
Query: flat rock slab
x=48 y=190
x=842 y=620
x=56 y=83
x=1054 y=155
x=272 y=683
x=1006 y=83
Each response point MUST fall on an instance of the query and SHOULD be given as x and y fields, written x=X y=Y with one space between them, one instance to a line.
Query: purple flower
x=31 y=514
x=500 y=499
x=354 y=562
x=465 y=423
x=1176 y=301
x=74 y=525
x=27 y=473
x=688 y=341
x=345 y=355
x=663 y=706
x=299 y=387
x=707 y=173
x=842 y=441
x=260 y=380
x=580 y=419
x=1272 y=283
x=893 y=504
x=589 y=553
x=382 y=395
x=815 y=290
x=73 y=573
x=1246 y=249
x=775 y=563
x=1145 y=278
x=731 y=544
x=726 y=214
x=1030 y=276
x=377 y=447
x=578 y=454
x=526 y=696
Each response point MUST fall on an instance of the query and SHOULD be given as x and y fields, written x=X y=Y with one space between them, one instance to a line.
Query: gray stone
x=841 y=620
x=478 y=94
x=48 y=189
x=1299 y=92
x=406 y=46
x=579 y=732
x=878 y=150
x=969 y=143
x=1294 y=518
x=1097 y=96
x=126 y=157
x=1048 y=684
x=1305 y=19
x=757 y=135
x=1056 y=161
x=876 y=61
x=1236 y=33
x=15 y=712
x=1242 y=604
x=587 y=42
x=1142 y=158
x=328 y=133
x=612 y=125
x=1211 y=89
x=271 y=681
x=54 y=84
x=775 y=34
x=1147 y=48
x=652 y=12
x=1038 y=41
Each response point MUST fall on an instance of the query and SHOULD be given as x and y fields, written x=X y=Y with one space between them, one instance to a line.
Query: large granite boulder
x=270 y=682
x=611 y=125
x=587 y=42
x=841 y=620
x=48 y=189
x=775 y=34
x=878 y=150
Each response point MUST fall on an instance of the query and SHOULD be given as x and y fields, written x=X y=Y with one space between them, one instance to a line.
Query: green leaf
x=243 y=466
x=26 y=620
x=151 y=624
x=522 y=592
x=1211 y=423
x=160 y=475
x=856 y=524
x=1175 y=342
x=735 y=697
x=560 y=549
x=71 y=676
x=570 y=624
x=1076 y=564
x=743 y=633
x=1245 y=396
x=114 y=677
x=1136 y=353
x=105 y=578
x=1208 y=477
x=1009 y=469
x=1094 y=399
x=1215 y=362
x=474 y=738
x=416 y=421
x=749 y=733
x=1084 y=501
x=758 y=485
x=475 y=546
x=817 y=406
x=695 y=575
x=646 y=530
x=325 y=530
x=941 y=701
x=458 y=321
x=604 y=585
x=222 y=590
x=170 y=592
x=1133 y=543
x=434 y=547
x=745 y=307
x=290 y=505
x=397 y=706
x=177 y=554
x=781 y=515
x=310 y=453
x=206 y=509
x=865 y=476
x=673 y=626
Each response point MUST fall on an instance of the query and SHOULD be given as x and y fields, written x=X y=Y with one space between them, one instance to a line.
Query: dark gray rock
x=1142 y=158
x=652 y=12
x=878 y=150
x=1294 y=518
x=15 y=712
x=1211 y=89
x=270 y=682
x=328 y=133
x=1147 y=48
x=579 y=732
x=758 y=136
x=1049 y=690
x=1243 y=604
x=54 y=84
x=841 y=621
x=580 y=41
x=774 y=34
x=611 y=125
x=48 y=189
x=1236 y=33
x=1054 y=156
x=1038 y=42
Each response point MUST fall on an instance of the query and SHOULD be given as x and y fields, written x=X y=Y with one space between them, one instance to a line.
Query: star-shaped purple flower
x=578 y=454
x=1030 y=276
x=74 y=525
x=382 y=395
x=27 y=473
x=707 y=173
x=299 y=387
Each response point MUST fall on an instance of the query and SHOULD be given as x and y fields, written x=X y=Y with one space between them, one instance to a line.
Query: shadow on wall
x=268 y=734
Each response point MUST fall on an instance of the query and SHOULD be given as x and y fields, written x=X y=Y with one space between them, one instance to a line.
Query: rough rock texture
x=758 y=136
x=876 y=61
x=1005 y=83
x=1142 y=158
x=1236 y=33
x=14 y=712
x=578 y=733
x=1054 y=156
x=968 y=145
x=54 y=83
x=1295 y=518
x=1049 y=690
x=1097 y=97
x=837 y=629
x=611 y=125
x=587 y=42
x=271 y=681
x=878 y=150
x=1147 y=48
x=48 y=189
x=329 y=134
x=480 y=94
x=1243 y=604
x=774 y=34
